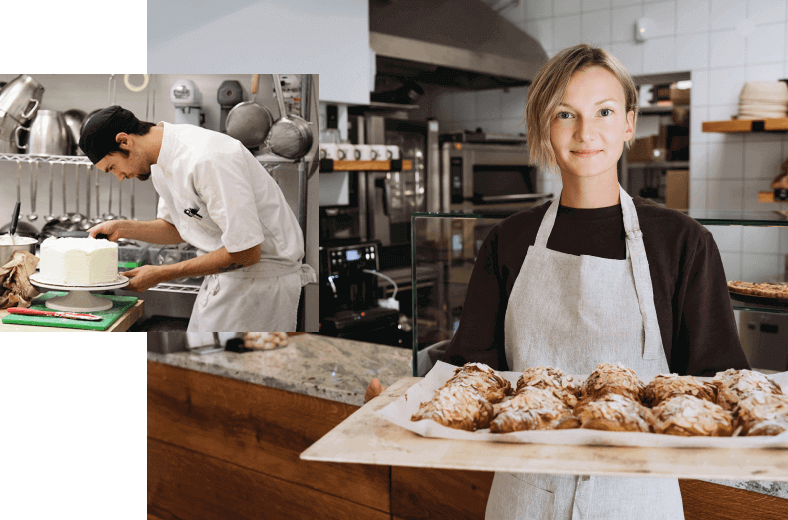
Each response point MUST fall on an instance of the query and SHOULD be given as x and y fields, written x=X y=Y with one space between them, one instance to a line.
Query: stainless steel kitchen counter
x=320 y=366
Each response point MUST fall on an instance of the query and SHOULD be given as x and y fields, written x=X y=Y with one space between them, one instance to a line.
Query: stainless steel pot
x=49 y=135
x=291 y=136
x=7 y=146
x=8 y=126
x=21 y=97
x=74 y=119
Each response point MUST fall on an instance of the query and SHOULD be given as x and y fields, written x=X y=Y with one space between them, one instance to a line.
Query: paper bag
x=15 y=287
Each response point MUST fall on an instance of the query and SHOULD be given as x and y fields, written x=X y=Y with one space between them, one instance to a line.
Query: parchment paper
x=400 y=411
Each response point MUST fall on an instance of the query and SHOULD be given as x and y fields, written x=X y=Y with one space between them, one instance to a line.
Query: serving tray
x=367 y=438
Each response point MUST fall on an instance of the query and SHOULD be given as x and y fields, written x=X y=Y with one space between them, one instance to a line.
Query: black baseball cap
x=98 y=135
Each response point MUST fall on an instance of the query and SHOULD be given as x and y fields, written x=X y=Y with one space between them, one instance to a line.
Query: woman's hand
x=373 y=390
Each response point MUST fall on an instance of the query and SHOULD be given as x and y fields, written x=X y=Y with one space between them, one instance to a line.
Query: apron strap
x=546 y=227
x=637 y=256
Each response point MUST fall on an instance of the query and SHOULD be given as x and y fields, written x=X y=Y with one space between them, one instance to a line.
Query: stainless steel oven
x=488 y=177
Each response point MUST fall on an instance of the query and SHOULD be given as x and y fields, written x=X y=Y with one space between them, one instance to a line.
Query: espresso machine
x=349 y=294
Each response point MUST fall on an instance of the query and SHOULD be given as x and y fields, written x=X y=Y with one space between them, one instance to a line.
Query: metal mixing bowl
x=28 y=244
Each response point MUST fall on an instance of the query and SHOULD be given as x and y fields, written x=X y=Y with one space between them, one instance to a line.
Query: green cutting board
x=120 y=304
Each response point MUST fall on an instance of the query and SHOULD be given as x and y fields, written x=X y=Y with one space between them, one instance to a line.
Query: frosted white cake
x=78 y=261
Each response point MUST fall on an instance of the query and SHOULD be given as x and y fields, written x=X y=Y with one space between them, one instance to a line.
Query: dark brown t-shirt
x=696 y=321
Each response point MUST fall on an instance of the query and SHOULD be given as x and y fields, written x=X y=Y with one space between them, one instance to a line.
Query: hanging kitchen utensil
x=120 y=202
x=19 y=181
x=249 y=122
x=133 y=184
x=78 y=217
x=109 y=215
x=14 y=220
x=66 y=216
x=50 y=217
x=33 y=193
x=290 y=137
x=97 y=219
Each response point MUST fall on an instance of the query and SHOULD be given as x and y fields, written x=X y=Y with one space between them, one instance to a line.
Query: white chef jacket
x=217 y=194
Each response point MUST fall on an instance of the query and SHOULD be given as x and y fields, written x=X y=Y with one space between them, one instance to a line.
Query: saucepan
x=290 y=137
x=249 y=122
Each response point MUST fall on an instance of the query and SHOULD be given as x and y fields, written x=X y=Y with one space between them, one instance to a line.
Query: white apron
x=259 y=298
x=572 y=312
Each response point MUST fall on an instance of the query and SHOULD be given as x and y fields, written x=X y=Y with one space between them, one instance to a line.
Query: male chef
x=217 y=197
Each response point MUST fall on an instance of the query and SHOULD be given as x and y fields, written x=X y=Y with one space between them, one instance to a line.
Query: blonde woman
x=593 y=276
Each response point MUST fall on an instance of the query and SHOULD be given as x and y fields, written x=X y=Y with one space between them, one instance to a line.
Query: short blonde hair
x=547 y=91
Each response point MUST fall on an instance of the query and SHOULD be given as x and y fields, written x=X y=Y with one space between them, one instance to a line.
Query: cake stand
x=78 y=297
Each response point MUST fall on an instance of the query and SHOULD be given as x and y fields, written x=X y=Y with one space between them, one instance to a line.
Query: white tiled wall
x=723 y=43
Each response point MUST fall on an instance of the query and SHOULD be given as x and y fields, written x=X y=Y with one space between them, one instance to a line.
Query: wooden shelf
x=366 y=166
x=747 y=125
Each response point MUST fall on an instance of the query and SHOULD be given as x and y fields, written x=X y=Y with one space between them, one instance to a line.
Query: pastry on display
x=733 y=384
x=764 y=290
x=552 y=379
x=78 y=261
x=687 y=415
x=265 y=340
x=614 y=412
x=762 y=413
x=457 y=406
x=664 y=386
x=533 y=408
x=611 y=378
x=484 y=379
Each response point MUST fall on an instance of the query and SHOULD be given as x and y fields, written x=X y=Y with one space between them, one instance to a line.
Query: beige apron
x=573 y=312
x=261 y=298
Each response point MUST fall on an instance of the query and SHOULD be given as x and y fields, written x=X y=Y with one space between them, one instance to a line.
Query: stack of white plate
x=763 y=100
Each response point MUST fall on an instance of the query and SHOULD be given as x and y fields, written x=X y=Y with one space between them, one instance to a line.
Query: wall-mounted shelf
x=747 y=125
x=659 y=109
x=330 y=165
x=677 y=165
x=81 y=159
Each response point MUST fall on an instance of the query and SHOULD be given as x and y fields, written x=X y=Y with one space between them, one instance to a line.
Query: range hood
x=454 y=43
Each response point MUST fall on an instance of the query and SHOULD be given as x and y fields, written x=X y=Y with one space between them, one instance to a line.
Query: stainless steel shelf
x=177 y=288
x=66 y=159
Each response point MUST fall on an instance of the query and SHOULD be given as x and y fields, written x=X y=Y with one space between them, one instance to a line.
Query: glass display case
x=444 y=248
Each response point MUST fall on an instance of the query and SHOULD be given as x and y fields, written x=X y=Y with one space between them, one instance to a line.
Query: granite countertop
x=340 y=370
x=320 y=366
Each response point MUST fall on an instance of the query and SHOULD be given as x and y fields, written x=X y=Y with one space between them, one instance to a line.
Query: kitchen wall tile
x=623 y=26
x=488 y=104
x=464 y=106
x=620 y=3
x=663 y=14
x=659 y=55
x=725 y=14
x=760 y=268
x=725 y=85
x=728 y=238
x=761 y=240
x=766 y=44
x=565 y=7
x=541 y=30
x=762 y=160
x=723 y=113
x=724 y=194
x=727 y=49
x=692 y=52
x=750 y=196
x=566 y=32
x=533 y=10
x=596 y=27
x=697 y=116
x=630 y=54
x=692 y=16
x=699 y=95
x=766 y=11
x=725 y=160
x=513 y=126
x=699 y=161
x=595 y=5
x=731 y=263
x=764 y=72
x=697 y=194
x=513 y=103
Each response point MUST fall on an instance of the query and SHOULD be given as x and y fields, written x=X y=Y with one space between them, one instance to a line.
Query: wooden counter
x=220 y=447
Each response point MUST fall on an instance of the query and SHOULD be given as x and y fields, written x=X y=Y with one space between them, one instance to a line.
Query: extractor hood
x=455 y=43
